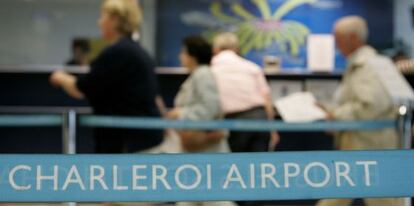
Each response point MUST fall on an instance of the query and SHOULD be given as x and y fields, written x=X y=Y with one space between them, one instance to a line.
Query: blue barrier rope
x=30 y=120
x=154 y=123
x=206 y=177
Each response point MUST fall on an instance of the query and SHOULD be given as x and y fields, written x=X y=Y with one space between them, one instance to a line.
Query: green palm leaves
x=289 y=6
x=261 y=32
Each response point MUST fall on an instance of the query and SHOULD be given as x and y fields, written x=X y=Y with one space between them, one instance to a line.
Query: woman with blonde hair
x=121 y=81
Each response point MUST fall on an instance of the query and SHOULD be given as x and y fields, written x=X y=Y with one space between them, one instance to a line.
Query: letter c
x=12 y=174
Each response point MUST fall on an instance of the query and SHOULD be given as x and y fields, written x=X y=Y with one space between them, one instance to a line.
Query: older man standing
x=244 y=94
x=361 y=96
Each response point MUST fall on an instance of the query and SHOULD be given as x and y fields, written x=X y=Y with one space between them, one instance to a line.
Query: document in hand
x=300 y=107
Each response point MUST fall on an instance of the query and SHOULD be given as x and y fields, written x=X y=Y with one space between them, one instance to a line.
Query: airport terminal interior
x=295 y=62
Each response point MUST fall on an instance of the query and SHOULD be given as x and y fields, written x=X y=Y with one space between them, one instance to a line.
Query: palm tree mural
x=258 y=32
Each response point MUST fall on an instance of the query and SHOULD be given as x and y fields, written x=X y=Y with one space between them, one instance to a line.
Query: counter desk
x=26 y=89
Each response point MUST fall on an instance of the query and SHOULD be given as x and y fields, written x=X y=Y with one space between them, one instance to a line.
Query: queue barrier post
x=405 y=127
x=69 y=132
x=405 y=131
x=69 y=136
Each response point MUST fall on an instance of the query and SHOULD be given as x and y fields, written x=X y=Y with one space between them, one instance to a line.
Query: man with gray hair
x=244 y=94
x=361 y=96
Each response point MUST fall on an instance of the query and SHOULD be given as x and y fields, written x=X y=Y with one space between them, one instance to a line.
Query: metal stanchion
x=405 y=131
x=69 y=132
x=69 y=136
x=408 y=129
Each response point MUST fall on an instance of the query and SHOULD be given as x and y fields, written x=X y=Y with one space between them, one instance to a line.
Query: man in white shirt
x=361 y=96
x=244 y=94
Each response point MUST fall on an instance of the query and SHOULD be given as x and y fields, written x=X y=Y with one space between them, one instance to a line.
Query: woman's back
x=122 y=82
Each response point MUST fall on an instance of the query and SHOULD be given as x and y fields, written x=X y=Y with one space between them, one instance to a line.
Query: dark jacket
x=122 y=82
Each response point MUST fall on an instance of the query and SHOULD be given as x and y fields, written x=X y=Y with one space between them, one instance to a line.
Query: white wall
x=41 y=31
x=404 y=27
x=148 y=30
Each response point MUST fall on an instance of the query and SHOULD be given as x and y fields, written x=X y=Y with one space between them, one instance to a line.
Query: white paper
x=300 y=107
x=321 y=53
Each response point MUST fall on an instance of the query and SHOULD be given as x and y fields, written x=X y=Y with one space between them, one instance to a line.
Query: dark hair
x=199 y=48
x=82 y=44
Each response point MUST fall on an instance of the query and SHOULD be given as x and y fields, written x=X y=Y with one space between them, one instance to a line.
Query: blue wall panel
x=268 y=32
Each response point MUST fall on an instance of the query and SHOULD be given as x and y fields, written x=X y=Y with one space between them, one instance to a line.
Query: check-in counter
x=29 y=85
x=26 y=89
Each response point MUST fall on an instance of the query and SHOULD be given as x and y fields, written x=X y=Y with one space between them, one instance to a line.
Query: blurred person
x=244 y=94
x=121 y=82
x=198 y=99
x=80 y=53
x=361 y=96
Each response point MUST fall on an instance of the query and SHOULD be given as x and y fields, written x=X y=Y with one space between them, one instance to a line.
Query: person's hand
x=56 y=78
x=274 y=140
x=329 y=116
x=62 y=80
x=174 y=114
